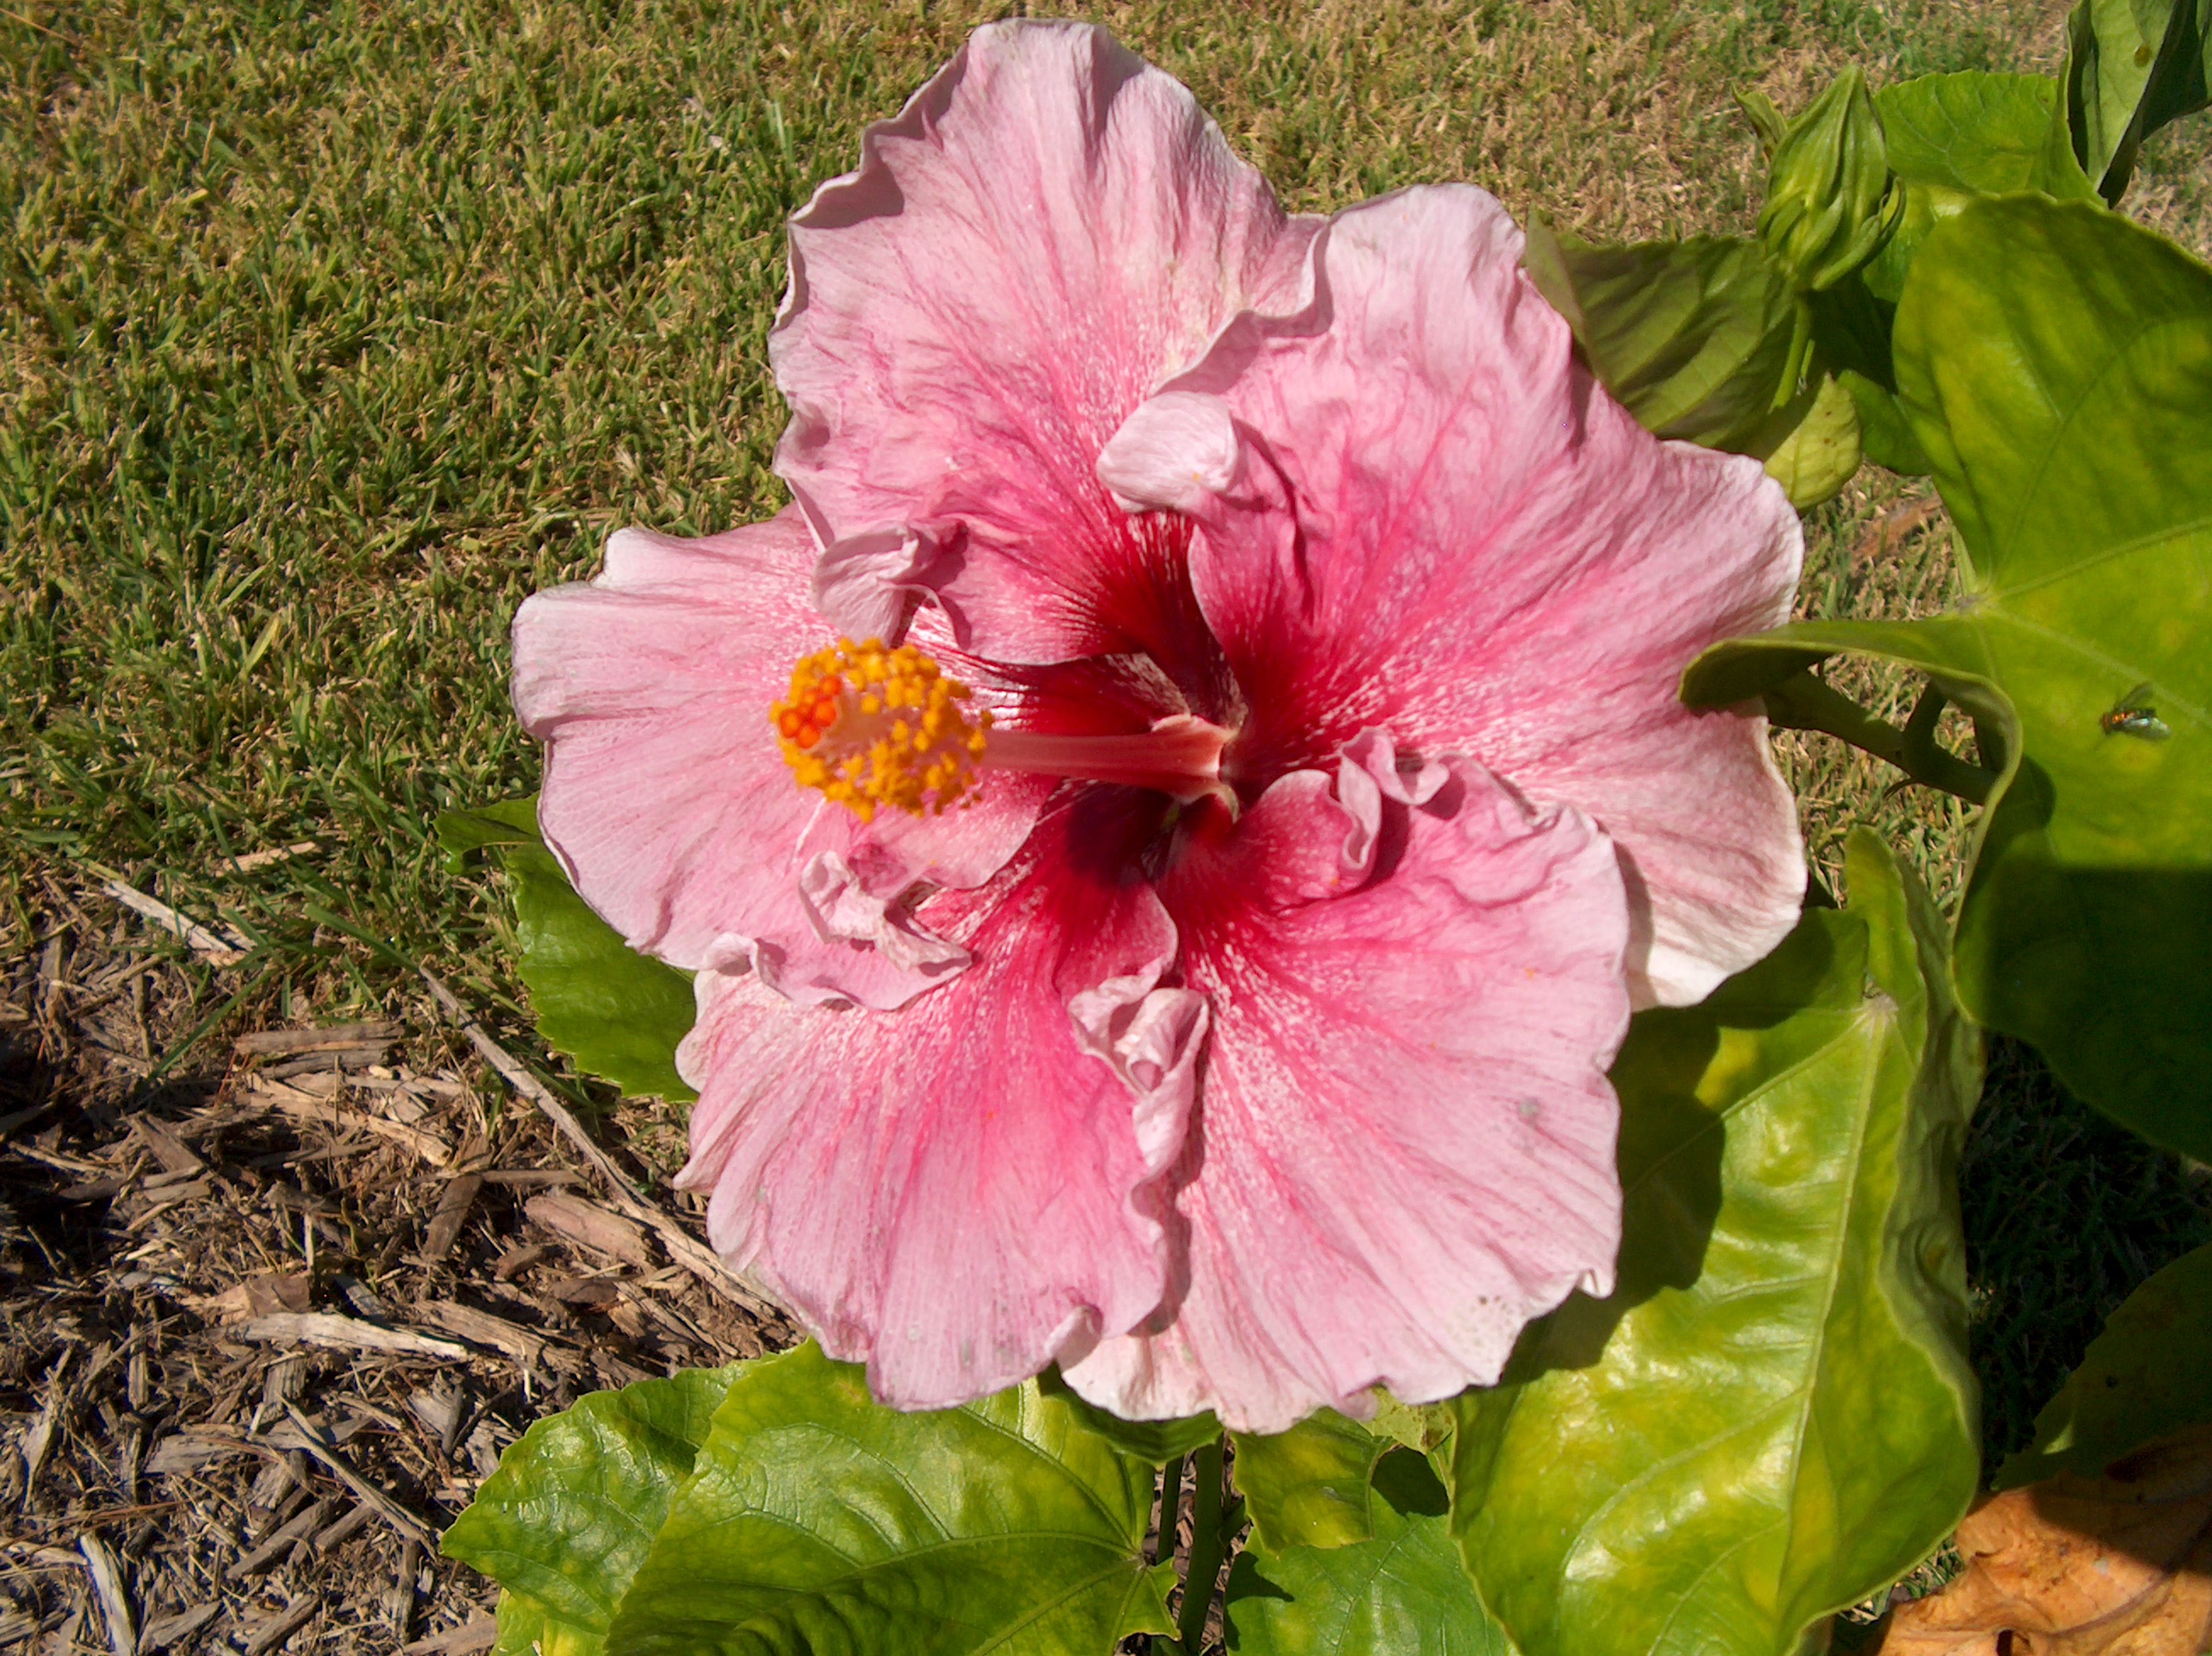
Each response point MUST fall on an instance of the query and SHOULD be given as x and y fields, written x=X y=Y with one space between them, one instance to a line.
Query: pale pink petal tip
x=1048 y=229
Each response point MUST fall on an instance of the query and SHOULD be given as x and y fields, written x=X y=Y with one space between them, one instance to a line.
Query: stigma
x=869 y=725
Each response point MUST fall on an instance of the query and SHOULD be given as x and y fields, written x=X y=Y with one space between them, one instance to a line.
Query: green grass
x=332 y=331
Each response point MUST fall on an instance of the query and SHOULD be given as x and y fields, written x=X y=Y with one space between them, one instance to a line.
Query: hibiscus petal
x=1441 y=524
x=1048 y=229
x=1406 y=1144
x=962 y=1192
x=666 y=795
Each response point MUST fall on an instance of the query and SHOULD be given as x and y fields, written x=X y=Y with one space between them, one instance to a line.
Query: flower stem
x=1206 y=1544
x=1805 y=701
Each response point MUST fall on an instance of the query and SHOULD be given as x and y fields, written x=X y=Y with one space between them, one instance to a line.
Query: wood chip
x=586 y=1224
x=516 y=1260
x=114 y=1603
x=482 y=1328
x=175 y=1629
x=294 y=1530
x=480 y=1634
x=384 y=1505
x=285 y=1043
x=399 y=1600
x=453 y=1212
x=222 y=948
x=346 y=1334
x=301 y=1105
x=182 y=1453
x=355 y=1520
x=266 y=1635
x=174 y=1155
x=350 y=1060
x=38 y=1438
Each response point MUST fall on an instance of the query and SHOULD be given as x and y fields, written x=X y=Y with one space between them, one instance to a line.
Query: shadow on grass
x=2065 y=1214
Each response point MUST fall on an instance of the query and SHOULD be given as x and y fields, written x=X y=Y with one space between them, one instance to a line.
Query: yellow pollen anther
x=870 y=726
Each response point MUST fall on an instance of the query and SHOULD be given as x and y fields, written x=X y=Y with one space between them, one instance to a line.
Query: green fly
x=2133 y=715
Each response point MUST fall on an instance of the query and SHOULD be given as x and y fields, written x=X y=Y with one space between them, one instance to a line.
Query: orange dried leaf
x=2120 y=1565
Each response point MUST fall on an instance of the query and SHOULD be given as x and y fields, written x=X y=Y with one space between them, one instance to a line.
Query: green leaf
x=2055 y=361
x=2131 y=66
x=1399 y=1592
x=1975 y=133
x=1885 y=435
x=1309 y=1487
x=1820 y=457
x=816 y=1520
x=564 y=1523
x=617 y=1013
x=489 y=827
x=1953 y=138
x=1705 y=340
x=1829 y=205
x=1773 y=1415
x=1156 y=1441
x=2148 y=1373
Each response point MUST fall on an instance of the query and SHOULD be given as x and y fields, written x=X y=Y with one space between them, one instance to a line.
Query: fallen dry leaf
x=258 y=1295
x=2120 y=1565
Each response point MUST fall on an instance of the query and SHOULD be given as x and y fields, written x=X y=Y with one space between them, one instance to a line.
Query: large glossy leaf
x=1772 y=1416
x=1309 y=1487
x=1829 y=206
x=619 y=1014
x=1400 y=1592
x=564 y=1523
x=1156 y=1441
x=2148 y=1374
x=2131 y=66
x=819 y=1521
x=1706 y=340
x=2057 y=363
x=1954 y=137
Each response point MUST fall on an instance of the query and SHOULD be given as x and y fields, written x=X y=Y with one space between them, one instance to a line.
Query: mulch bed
x=266 y=1325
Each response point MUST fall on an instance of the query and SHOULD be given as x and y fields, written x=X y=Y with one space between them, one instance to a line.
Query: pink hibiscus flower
x=1239 y=1040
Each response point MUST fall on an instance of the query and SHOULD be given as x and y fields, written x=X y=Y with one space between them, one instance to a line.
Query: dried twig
x=288 y=1042
x=684 y=1248
x=252 y=860
x=219 y=948
x=325 y=1328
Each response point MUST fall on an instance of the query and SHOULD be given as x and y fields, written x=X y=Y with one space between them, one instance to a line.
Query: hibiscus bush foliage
x=1755 y=1409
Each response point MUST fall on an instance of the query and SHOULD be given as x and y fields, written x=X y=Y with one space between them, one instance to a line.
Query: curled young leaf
x=1309 y=1487
x=2131 y=66
x=1773 y=1415
x=1818 y=458
x=1706 y=340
